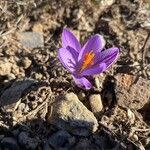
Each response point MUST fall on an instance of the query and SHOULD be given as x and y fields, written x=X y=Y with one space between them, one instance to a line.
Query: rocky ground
x=40 y=106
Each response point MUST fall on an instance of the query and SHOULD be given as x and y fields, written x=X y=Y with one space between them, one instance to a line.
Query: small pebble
x=37 y=76
x=81 y=96
x=26 y=62
x=96 y=104
x=37 y=28
x=97 y=83
x=11 y=76
x=135 y=137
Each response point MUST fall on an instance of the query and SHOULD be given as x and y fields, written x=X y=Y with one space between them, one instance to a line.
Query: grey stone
x=9 y=143
x=59 y=138
x=132 y=91
x=13 y=93
x=68 y=113
x=31 y=39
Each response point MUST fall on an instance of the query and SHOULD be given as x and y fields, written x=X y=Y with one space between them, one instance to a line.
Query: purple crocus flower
x=86 y=61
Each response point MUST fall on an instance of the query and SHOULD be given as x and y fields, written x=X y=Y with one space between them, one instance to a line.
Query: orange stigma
x=87 y=60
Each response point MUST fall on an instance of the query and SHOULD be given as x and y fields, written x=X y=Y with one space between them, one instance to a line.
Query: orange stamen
x=87 y=60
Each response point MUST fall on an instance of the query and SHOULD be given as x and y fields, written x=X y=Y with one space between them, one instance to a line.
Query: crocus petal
x=108 y=56
x=82 y=82
x=94 y=44
x=69 y=40
x=94 y=70
x=68 y=58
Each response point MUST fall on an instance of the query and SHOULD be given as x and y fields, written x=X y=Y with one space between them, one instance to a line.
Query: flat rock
x=68 y=113
x=132 y=92
x=14 y=92
x=31 y=39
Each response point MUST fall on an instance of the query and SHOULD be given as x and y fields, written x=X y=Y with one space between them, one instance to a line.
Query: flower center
x=87 y=60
